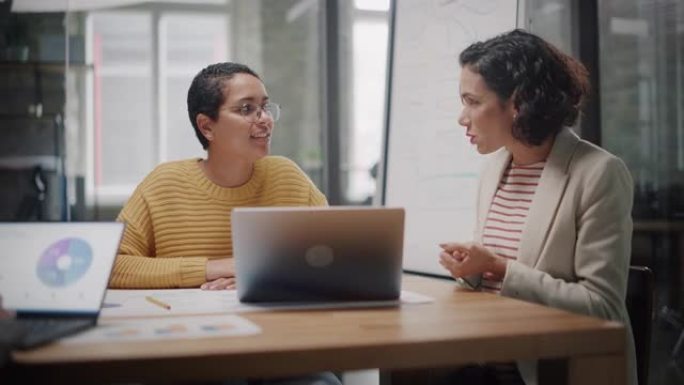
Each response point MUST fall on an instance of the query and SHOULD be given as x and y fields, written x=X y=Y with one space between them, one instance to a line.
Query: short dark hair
x=205 y=95
x=548 y=86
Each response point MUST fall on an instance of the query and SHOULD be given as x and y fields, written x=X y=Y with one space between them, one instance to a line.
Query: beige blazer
x=575 y=248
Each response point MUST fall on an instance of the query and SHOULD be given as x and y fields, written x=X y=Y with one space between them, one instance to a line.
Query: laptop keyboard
x=42 y=330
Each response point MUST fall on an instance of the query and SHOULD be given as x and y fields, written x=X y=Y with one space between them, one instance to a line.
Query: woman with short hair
x=178 y=220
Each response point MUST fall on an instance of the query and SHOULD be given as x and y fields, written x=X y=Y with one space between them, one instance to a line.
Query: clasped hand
x=465 y=259
x=220 y=274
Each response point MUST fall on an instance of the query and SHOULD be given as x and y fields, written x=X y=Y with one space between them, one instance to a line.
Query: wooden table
x=459 y=327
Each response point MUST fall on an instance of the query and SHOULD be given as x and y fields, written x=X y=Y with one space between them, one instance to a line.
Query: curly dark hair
x=548 y=87
x=205 y=95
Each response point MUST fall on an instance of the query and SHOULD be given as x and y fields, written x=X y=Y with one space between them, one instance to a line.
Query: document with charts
x=133 y=303
x=167 y=328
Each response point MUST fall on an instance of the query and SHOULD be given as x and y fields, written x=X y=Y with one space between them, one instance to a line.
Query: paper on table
x=164 y=328
x=411 y=297
x=132 y=303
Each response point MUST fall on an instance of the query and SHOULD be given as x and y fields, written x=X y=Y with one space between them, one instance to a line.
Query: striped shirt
x=508 y=214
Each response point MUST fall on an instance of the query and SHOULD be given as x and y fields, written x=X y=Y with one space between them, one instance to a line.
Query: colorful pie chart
x=64 y=262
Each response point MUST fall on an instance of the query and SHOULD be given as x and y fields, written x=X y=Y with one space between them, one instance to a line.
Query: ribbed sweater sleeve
x=137 y=265
x=177 y=219
x=316 y=198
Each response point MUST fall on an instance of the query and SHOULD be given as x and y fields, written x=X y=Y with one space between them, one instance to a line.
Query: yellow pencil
x=158 y=302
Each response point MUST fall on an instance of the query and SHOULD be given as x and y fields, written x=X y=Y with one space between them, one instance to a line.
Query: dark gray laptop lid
x=318 y=254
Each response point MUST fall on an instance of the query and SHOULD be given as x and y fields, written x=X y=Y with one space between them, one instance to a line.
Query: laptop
x=318 y=254
x=54 y=276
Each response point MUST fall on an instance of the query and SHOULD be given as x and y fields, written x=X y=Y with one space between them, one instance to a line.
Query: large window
x=364 y=82
x=552 y=20
x=642 y=94
x=187 y=43
x=141 y=59
x=642 y=97
x=642 y=121
x=143 y=62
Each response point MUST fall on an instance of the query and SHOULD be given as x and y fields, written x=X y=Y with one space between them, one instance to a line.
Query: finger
x=214 y=286
x=451 y=264
x=446 y=257
x=457 y=255
x=226 y=283
x=446 y=263
x=223 y=284
x=448 y=267
x=454 y=246
x=211 y=285
x=225 y=287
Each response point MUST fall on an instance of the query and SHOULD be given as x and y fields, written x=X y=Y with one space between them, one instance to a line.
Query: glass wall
x=365 y=35
x=123 y=132
x=125 y=94
x=130 y=107
x=642 y=99
x=291 y=46
x=642 y=110
x=552 y=20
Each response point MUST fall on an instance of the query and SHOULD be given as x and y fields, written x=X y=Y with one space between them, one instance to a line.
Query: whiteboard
x=430 y=168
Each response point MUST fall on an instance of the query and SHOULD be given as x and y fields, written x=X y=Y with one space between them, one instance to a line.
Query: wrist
x=219 y=268
x=498 y=266
x=214 y=269
x=211 y=270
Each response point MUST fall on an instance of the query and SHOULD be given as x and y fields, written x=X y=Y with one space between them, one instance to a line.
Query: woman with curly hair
x=554 y=211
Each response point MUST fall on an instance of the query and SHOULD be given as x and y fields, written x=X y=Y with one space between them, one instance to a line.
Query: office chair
x=32 y=204
x=639 y=301
x=677 y=321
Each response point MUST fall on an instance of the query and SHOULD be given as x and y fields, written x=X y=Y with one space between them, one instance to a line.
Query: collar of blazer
x=546 y=199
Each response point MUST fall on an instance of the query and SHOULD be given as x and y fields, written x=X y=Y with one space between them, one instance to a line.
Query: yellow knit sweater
x=177 y=219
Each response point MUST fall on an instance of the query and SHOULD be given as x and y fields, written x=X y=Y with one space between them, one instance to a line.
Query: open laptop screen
x=56 y=267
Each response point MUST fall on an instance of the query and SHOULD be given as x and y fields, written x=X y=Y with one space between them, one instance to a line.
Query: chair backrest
x=639 y=302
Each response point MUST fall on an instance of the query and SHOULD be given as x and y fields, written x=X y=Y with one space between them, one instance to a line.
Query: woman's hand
x=219 y=284
x=220 y=274
x=464 y=259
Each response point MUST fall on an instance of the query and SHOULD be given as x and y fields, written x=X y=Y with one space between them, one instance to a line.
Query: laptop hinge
x=56 y=314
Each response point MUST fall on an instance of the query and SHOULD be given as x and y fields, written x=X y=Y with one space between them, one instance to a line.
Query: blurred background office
x=92 y=97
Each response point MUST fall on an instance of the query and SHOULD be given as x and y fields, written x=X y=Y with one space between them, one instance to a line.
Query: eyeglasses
x=252 y=112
